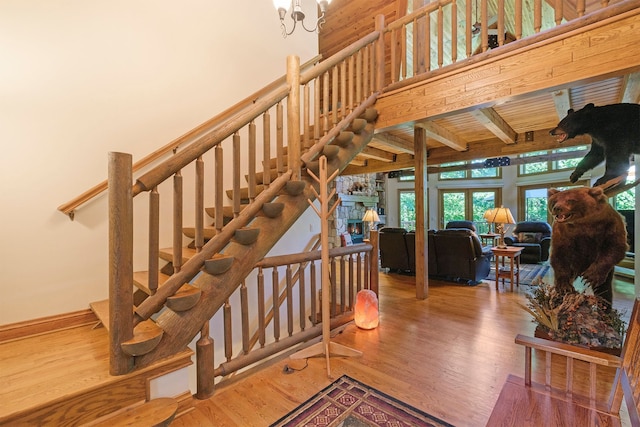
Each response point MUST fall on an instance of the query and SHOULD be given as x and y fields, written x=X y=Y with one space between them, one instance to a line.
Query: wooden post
x=379 y=26
x=422 y=219
x=120 y=261
x=293 y=116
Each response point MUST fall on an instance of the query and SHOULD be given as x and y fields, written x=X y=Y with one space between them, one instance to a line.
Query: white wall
x=82 y=78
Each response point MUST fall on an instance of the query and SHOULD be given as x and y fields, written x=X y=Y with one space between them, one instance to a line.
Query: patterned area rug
x=530 y=274
x=350 y=403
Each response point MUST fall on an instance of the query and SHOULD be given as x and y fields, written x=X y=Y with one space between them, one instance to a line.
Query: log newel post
x=374 y=239
x=293 y=116
x=204 y=360
x=379 y=26
x=120 y=261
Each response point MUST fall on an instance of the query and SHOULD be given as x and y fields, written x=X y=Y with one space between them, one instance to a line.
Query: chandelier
x=297 y=15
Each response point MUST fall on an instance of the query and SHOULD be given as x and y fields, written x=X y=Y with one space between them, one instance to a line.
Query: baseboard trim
x=27 y=328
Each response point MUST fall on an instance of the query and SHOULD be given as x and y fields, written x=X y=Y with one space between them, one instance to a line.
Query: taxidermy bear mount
x=615 y=133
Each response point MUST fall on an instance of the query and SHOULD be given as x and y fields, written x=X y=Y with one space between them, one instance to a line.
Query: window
x=550 y=161
x=533 y=200
x=407 y=204
x=468 y=204
x=469 y=170
x=627 y=199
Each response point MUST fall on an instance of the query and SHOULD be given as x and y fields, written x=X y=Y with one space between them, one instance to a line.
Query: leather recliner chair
x=534 y=237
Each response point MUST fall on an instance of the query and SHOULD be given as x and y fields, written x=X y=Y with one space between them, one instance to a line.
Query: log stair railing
x=328 y=112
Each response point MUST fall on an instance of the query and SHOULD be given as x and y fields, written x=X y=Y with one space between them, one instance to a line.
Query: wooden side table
x=513 y=271
x=488 y=238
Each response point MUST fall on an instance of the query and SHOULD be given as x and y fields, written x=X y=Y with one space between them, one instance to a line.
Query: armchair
x=534 y=237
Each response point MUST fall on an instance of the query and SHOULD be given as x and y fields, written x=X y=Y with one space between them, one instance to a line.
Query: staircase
x=173 y=303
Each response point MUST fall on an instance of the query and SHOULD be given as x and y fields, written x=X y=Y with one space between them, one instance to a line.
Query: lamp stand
x=500 y=230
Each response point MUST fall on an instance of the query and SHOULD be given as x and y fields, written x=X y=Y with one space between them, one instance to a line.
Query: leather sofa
x=453 y=254
x=534 y=237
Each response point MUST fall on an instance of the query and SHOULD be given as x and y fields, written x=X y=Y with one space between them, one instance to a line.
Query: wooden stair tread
x=244 y=192
x=227 y=211
x=141 y=280
x=146 y=335
x=167 y=254
x=208 y=232
x=156 y=412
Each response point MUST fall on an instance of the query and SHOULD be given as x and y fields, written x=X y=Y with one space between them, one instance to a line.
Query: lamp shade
x=371 y=216
x=489 y=214
x=502 y=215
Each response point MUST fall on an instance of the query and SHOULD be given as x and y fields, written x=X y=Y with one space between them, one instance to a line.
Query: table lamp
x=371 y=216
x=500 y=216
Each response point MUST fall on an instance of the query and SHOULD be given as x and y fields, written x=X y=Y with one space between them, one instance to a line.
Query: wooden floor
x=448 y=355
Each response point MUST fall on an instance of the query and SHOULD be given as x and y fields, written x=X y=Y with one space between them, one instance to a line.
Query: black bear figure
x=615 y=135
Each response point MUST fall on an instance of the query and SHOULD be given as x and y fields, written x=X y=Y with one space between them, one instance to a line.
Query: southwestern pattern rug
x=530 y=274
x=349 y=403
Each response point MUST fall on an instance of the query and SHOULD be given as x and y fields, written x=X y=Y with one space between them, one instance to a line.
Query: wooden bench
x=558 y=402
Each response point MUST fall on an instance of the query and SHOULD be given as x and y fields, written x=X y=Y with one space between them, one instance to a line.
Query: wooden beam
x=394 y=142
x=358 y=161
x=443 y=136
x=403 y=161
x=631 y=88
x=378 y=154
x=562 y=101
x=496 y=124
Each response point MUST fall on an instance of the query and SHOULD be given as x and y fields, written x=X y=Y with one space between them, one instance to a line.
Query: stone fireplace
x=358 y=193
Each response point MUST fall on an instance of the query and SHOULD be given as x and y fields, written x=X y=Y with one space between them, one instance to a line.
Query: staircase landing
x=62 y=378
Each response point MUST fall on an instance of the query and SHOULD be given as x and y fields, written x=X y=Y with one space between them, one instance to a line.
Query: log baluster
x=177 y=221
x=199 y=214
x=365 y=71
x=580 y=7
x=266 y=148
x=558 y=11
x=228 y=335
x=280 y=138
x=334 y=96
x=236 y=175
x=358 y=272
x=365 y=273
x=500 y=22
x=484 y=29
x=219 y=188
x=302 y=292
x=374 y=239
x=351 y=283
x=306 y=117
x=316 y=109
x=334 y=289
x=380 y=59
x=394 y=57
x=314 y=293
x=537 y=15
x=352 y=86
x=154 y=239
x=518 y=19
x=454 y=31
x=261 y=308
x=252 y=161
x=427 y=44
x=275 y=291
x=325 y=103
x=289 y=291
x=468 y=34
x=359 y=77
x=343 y=285
x=244 y=313
x=440 y=21
x=344 y=106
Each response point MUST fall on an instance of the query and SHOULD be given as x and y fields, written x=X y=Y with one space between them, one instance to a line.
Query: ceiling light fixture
x=297 y=15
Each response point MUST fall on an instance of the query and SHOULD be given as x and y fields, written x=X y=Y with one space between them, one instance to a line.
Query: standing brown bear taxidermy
x=615 y=135
x=588 y=239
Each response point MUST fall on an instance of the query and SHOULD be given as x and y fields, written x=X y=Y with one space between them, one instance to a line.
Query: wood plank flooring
x=448 y=355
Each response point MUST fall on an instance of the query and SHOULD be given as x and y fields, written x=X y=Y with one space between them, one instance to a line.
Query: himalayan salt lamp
x=366 y=309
